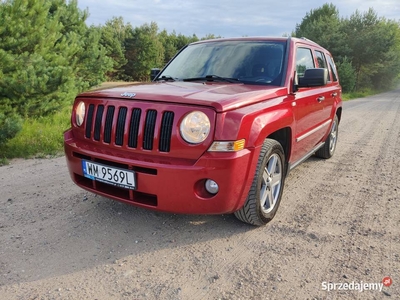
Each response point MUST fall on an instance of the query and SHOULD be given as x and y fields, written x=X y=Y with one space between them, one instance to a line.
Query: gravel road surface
x=338 y=223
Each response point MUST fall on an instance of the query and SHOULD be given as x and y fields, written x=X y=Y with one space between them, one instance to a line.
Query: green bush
x=347 y=75
x=9 y=127
x=39 y=137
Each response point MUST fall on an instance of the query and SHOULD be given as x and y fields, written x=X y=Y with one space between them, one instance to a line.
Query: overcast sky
x=226 y=18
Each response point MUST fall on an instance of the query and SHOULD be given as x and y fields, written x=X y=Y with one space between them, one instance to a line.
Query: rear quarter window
x=322 y=62
x=333 y=67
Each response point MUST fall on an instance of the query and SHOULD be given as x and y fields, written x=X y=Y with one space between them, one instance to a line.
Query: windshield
x=257 y=62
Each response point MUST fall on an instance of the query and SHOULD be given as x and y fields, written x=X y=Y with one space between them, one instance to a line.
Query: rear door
x=330 y=91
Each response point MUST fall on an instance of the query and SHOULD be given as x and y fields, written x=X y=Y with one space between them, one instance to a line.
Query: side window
x=322 y=61
x=304 y=61
x=333 y=67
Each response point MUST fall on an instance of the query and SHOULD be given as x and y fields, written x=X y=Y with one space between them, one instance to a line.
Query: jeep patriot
x=216 y=132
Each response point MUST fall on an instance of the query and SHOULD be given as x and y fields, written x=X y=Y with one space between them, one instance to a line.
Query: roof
x=260 y=38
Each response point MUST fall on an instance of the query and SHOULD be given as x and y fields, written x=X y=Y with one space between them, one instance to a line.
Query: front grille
x=125 y=126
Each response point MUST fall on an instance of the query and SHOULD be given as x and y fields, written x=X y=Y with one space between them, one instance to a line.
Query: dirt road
x=339 y=222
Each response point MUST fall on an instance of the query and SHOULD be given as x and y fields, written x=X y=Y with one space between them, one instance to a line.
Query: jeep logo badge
x=129 y=95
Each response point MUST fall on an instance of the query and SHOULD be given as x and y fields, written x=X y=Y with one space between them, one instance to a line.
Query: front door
x=310 y=109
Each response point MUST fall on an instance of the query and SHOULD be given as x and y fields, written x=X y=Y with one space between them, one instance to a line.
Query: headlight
x=195 y=127
x=80 y=113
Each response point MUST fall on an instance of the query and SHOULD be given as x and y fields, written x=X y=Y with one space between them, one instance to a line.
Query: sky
x=226 y=18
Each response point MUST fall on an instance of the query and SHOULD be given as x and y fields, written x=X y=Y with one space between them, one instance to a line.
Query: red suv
x=217 y=131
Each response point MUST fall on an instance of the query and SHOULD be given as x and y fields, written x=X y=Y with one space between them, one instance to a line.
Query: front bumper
x=170 y=185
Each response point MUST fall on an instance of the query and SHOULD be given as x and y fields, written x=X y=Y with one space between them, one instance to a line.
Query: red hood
x=220 y=96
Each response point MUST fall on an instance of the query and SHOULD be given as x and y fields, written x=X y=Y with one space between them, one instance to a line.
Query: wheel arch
x=277 y=126
x=284 y=137
x=339 y=113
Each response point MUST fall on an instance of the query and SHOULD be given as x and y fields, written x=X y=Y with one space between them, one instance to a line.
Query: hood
x=220 y=96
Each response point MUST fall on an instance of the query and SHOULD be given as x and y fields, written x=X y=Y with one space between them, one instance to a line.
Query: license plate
x=110 y=175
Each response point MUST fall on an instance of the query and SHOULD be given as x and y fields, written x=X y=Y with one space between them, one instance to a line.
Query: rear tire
x=328 y=149
x=266 y=190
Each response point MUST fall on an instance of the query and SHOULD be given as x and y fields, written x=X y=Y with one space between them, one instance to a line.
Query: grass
x=110 y=84
x=41 y=137
x=360 y=94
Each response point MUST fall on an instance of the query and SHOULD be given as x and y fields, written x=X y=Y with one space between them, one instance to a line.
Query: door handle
x=334 y=94
x=320 y=99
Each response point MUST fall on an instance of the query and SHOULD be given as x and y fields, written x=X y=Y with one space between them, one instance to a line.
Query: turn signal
x=231 y=146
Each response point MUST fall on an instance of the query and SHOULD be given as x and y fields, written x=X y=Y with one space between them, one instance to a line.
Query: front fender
x=254 y=122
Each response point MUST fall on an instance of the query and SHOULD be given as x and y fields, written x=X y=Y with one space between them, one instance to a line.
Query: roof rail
x=306 y=39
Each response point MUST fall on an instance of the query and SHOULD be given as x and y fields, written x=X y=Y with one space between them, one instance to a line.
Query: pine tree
x=113 y=36
x=32 y=58
x=47 y=55
x=143 y=52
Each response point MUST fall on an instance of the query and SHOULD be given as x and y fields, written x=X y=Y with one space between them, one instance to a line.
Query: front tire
x=266 y=190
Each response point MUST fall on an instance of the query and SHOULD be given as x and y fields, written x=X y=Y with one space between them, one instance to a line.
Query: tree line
x=366 y=47
x=135 y=50
x=48 y=53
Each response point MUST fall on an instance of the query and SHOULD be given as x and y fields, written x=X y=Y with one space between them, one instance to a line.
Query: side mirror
x=314 y=77
x=153 y=73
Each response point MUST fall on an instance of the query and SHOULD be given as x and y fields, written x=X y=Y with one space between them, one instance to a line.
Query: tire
x=266 y=190
x=328 y=149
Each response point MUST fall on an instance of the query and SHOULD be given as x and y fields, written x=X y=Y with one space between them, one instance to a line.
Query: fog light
x=211 y=186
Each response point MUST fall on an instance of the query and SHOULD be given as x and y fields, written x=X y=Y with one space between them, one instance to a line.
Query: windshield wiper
x=166 y=78
x=213 y=78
